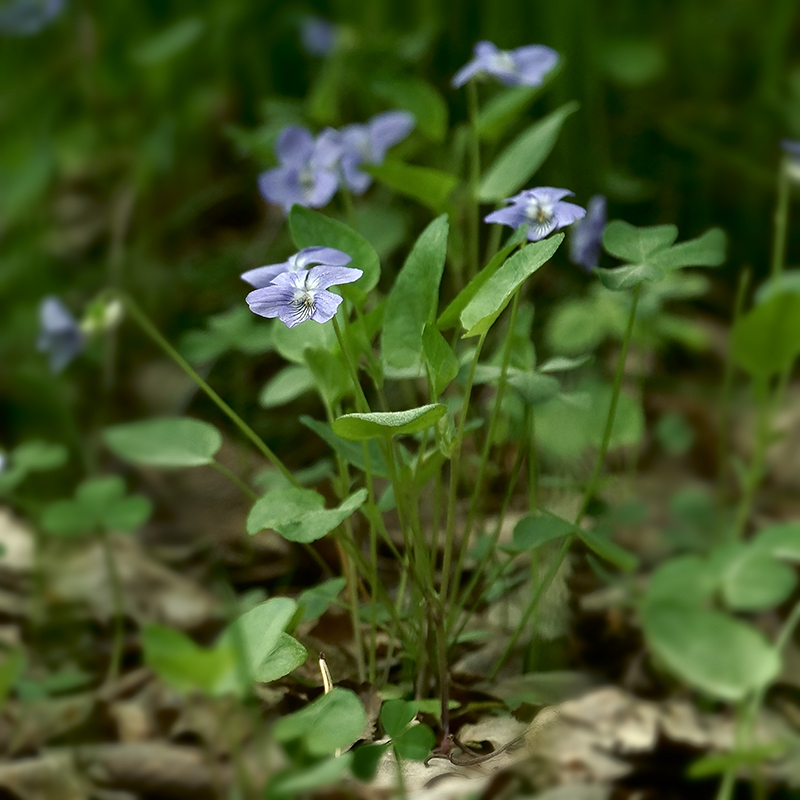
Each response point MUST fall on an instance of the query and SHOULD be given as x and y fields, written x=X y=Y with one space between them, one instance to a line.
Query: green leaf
x=450 y=316
x=751 y=579
x=506 y=108
x=632 y=244
x=766 y=340
x=287 y=655
x=11 y=669
x=301 y=779
x=39 y=456
x=261 y=631
x=366 y=759
x=491 y=298
x=513 y=168
x=610 y=551
x=282 y=506
x=412 y=301
x=299 y=514
x=128 y=513
x=66 y=518
x=535 y=530
x=396 y=715
x=683 y=579
x=312 y=229
x=237 y=329
x=431 y=187
x=354 y=453
x=415 y=744
x=780 y=541
x=360 y=427
x=181 y=663
x=534 y=387
x=712 y=652
x=707 y=250
x=164 y=442
x=331 y=722
x=628 y=276
x=440 y=360
x=316 y=600
x=718 y=763
x=330 y=375
x=170 y=42
x=420 y=98
x=289 y=384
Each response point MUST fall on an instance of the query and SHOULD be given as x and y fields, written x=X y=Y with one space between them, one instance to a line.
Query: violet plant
x=397 y=368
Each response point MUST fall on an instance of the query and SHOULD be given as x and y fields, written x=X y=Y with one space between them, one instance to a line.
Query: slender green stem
x=588 y=494
x=455 y=464
x=474 y=179
x=756 y=471
x=781 y=221
x=234 y=478
x=361 y=399
x=725 y=401
x=349 y=206
x=487 y=444
x=591 y=486
x=147 y=326
x=118 y=608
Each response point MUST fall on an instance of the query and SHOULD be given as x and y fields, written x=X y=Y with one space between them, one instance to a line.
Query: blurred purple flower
x=368 y=144
x=28 y=17
x=59 y=333
x=525 y=66
x=307 y=172
x=327 y=256
x=791 y=147
x=294 y=297
x=317 y=35
x=541 y=209
x=587 y=236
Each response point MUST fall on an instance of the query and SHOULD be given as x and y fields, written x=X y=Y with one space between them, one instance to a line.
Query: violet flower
x=525 y=66
x=317 y=35
x=294 y=297
x=541 y=209
x=307 y=173
x=368 y=144
x=60 y=335
x=28 y=17
x=587 y=236
x=327 y=256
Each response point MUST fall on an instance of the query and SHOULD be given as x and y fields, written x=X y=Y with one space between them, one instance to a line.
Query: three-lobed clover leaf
x=98 y=504
x=649 y=253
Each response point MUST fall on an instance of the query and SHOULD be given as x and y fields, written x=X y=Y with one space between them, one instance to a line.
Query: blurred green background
x=132 y=134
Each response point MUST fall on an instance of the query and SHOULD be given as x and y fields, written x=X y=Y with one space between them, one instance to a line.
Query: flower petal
x=587 y=236
x=321 y=192
x=548 y=194
x=325 y=305
x=295 y=146
x=320 y=255
x=566 y=213
x=270 y=301
x=533 y=63
x=318 y=278
x=327 y=149
x=513 y=215
x=386 y=130
x=281 y=186
x=263 y=276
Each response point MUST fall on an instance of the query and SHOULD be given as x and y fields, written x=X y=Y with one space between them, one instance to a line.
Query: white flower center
x=304 y=303
x=503 y=62
x=539 y=212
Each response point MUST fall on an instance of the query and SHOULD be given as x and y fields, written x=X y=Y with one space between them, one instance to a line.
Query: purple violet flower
x=368 y=144
x=525 y=66
x=28 y=17
x=60 y=335
x=541 y=209
x=307 y=173
x=317 y=35
x=791 y=147
x=294 y=297
x=327 y=256
x=587 y=236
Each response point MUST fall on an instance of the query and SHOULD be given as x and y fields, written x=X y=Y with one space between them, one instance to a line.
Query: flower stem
x=455 y=464
x=147 y=326
x=781 y=221
x=474 y=179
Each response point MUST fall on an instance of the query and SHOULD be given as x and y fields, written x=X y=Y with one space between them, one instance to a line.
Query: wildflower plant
x=427 y=379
